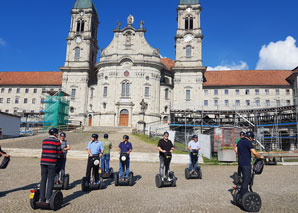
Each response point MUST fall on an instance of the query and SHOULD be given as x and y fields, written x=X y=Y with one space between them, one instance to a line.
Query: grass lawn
x=179 y=148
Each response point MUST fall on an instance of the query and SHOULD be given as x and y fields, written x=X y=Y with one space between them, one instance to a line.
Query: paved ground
x=278 y=187
x=78 y=141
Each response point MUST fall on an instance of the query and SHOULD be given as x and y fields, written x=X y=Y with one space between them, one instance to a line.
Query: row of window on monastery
x=248 y=91
x=248 y=103
x=20 y=90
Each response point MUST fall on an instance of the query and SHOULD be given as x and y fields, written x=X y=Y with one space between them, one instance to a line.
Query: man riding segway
x=193 y=171
x=244 y=150
x=165 y=147
x=95 y=150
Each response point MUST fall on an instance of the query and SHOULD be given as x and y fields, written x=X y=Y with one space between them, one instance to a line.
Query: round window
x=126 y=73
x=147 y=78
x=106 y=77
x=71 y=109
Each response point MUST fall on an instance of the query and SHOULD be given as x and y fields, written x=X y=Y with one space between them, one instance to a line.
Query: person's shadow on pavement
x=30 y=186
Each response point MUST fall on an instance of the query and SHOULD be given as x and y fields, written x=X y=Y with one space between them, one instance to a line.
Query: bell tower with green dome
x=189 y=72
x=79 y=71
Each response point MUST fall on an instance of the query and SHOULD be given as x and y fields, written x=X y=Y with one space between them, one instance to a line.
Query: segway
x=109 y=174
x=88 y=185
x=4 y=162
x=64 y=184
x=251 y=201
x=55 y=203
x=194 y=173
x=170 y=178
x=125 y=181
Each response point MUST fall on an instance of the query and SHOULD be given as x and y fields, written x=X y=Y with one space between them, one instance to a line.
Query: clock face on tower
x=78 y=39
x=188 y=38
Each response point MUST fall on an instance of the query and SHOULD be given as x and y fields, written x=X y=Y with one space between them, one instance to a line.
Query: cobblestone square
x=278 y=187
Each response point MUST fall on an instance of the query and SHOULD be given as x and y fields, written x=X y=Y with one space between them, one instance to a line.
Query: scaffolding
x=56 y=110
x=275 y=128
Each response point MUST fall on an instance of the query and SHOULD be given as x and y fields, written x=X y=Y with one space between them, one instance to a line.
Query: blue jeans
x=190 y=163
x=246 y=176
x=105 y=163
x=121 y=169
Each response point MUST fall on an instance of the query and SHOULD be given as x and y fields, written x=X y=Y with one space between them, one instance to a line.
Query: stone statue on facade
x=130 y=20
x=118 y=25
x=141 y=24
x=144 y=106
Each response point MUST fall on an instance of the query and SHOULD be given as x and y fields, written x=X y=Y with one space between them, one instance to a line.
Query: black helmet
x=62 y=134
x=105 y=136
x=125 y=137
x=194 y=136
x=242 y=133
x=95 y=136
x=250 y=134
x=166 y=133
x=53 y=131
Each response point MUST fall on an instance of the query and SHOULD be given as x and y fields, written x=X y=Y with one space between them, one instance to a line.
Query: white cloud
x=241 y=66
x=2 y=42
x=279 y=55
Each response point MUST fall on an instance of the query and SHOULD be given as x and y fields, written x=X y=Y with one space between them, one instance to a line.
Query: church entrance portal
x=124 y=117
x=90 y=120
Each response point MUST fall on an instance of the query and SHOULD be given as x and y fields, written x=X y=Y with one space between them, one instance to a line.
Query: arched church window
x=167 y=94
x=186 y=23
x=77 y=53
x=189 y=23
x=125 y=88
x=80 y=25
x=188 y=51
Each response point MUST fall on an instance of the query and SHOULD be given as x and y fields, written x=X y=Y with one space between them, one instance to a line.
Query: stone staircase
x=108 y=129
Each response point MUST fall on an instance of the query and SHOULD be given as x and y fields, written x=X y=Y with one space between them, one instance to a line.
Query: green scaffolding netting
x=56 y=111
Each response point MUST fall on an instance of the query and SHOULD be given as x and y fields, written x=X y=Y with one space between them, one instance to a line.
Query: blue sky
x=33 y=33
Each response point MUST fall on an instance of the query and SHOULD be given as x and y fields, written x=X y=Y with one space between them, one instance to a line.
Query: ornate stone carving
x=141 y=24
x=130 y=20
x=118 y=25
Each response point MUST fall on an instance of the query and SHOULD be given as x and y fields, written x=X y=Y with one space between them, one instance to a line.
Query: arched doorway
x=124 y=117
x=90 y=120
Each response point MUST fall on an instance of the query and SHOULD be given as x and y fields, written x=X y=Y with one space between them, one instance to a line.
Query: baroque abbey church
x=131 y=82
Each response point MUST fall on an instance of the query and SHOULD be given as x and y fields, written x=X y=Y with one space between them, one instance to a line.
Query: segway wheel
x=158 y=181
x=130 y=179
x=34 y=199
x=251 y=202
x=84 y=184
x=116 y=179
x=100 y=183
x=111 y=171
x=237 y=199
x=56 y=200
x=187 y=174
x=66 y=182
x=200 y=173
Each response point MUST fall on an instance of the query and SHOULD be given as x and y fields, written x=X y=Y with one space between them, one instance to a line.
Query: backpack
x=4 y=163
x=258 y=167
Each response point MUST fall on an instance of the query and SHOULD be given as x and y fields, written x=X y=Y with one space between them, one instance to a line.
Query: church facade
x=130 y=83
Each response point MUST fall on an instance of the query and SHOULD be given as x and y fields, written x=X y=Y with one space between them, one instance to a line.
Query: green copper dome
x=84 y=4
x=189 y=1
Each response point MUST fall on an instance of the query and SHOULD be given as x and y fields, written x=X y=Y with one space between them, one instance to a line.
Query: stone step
x=108 y=129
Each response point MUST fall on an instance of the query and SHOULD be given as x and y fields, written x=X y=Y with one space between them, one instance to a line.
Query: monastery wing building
x=132 y=84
